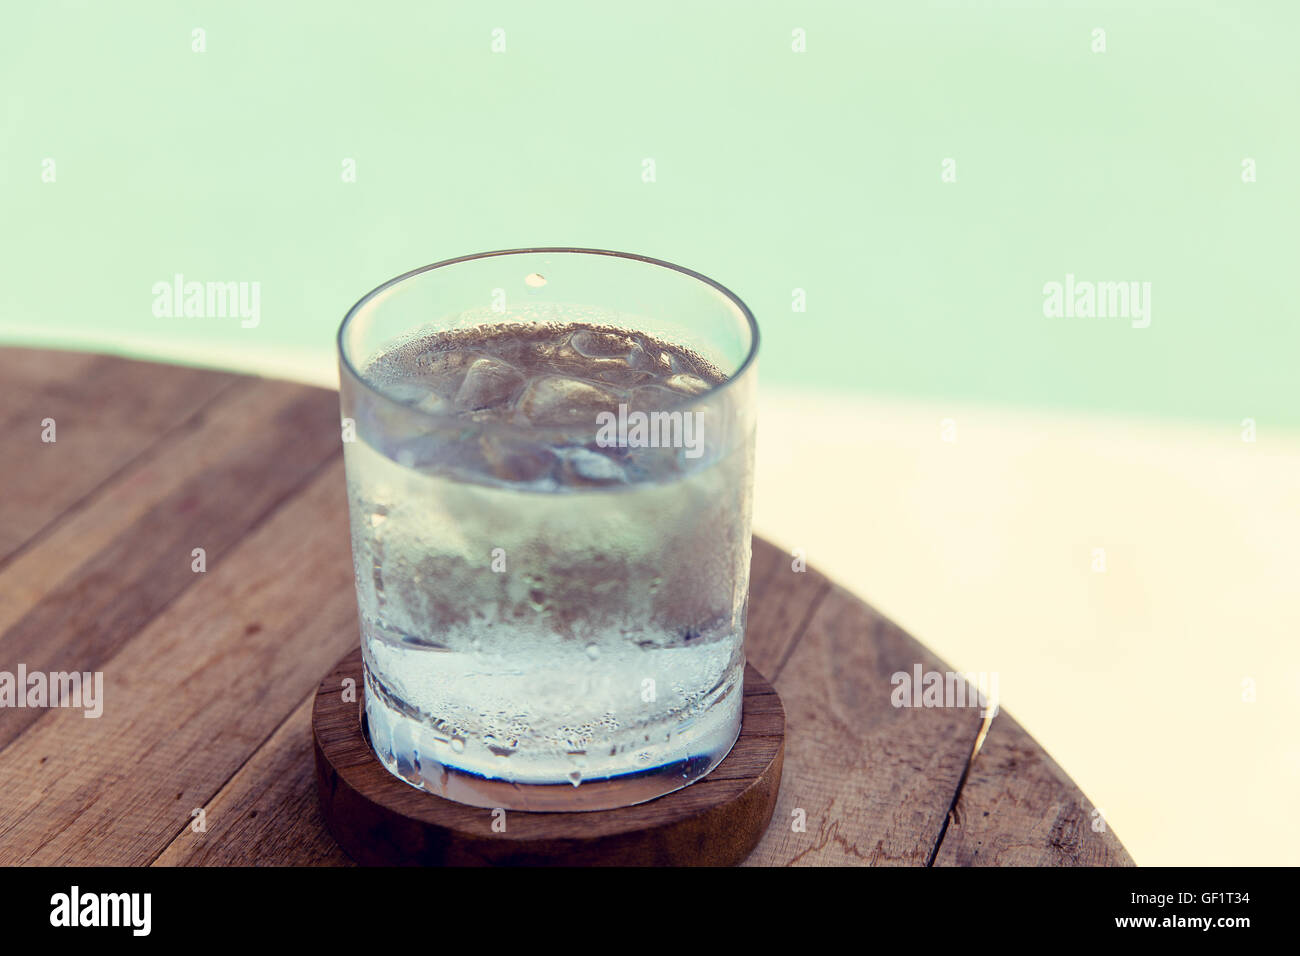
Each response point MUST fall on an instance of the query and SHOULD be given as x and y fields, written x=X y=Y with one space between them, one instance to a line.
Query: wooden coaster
x=381 y=821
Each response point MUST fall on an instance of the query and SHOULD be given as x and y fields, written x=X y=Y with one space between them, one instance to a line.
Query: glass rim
x=712 y=391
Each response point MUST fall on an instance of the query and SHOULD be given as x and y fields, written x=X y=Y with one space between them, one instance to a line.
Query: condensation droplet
x=458 y=744
x=593 y=651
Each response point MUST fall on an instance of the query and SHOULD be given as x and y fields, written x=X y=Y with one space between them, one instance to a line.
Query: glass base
x=590 y=793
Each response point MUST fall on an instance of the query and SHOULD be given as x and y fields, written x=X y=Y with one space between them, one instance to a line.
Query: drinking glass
x=549 y=458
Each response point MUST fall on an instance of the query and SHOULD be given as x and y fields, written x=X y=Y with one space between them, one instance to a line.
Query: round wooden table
x=185 y=534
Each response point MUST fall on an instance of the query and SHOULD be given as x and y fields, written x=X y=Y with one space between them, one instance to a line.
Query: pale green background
x=775 y=170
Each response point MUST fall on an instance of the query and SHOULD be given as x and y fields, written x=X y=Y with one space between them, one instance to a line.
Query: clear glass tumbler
x=549 y=462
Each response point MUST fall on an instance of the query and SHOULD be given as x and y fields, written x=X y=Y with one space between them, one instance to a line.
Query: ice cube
x=556 y=400
x=441 y=371
x=653 y=398
x=639 y=358
x=594 y=344
x=516 y=460
x=687 y=384
x=488 y=383
x=681 y=362
x=661 y=361
x=581 y=466
x=619 y=374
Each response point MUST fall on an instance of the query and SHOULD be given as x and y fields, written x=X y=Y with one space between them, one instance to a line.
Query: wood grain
x=175 y=464
x=871 y=782
x=83 y=621
x=267 y=812
x=209 y=676
x=780 y=605
x=190 y=699
x=94 y=438
x=1018 y=808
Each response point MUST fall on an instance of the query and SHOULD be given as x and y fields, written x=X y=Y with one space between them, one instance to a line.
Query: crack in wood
x=953 y=813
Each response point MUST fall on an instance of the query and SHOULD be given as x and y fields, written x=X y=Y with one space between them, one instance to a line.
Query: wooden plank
x=781 y=601
x=24 y=372
x=190 y=698
x=1018 y=808
x=268 y=812
x=181 y=457
x=106 y=412
x=83 y=621
x=874 y=781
